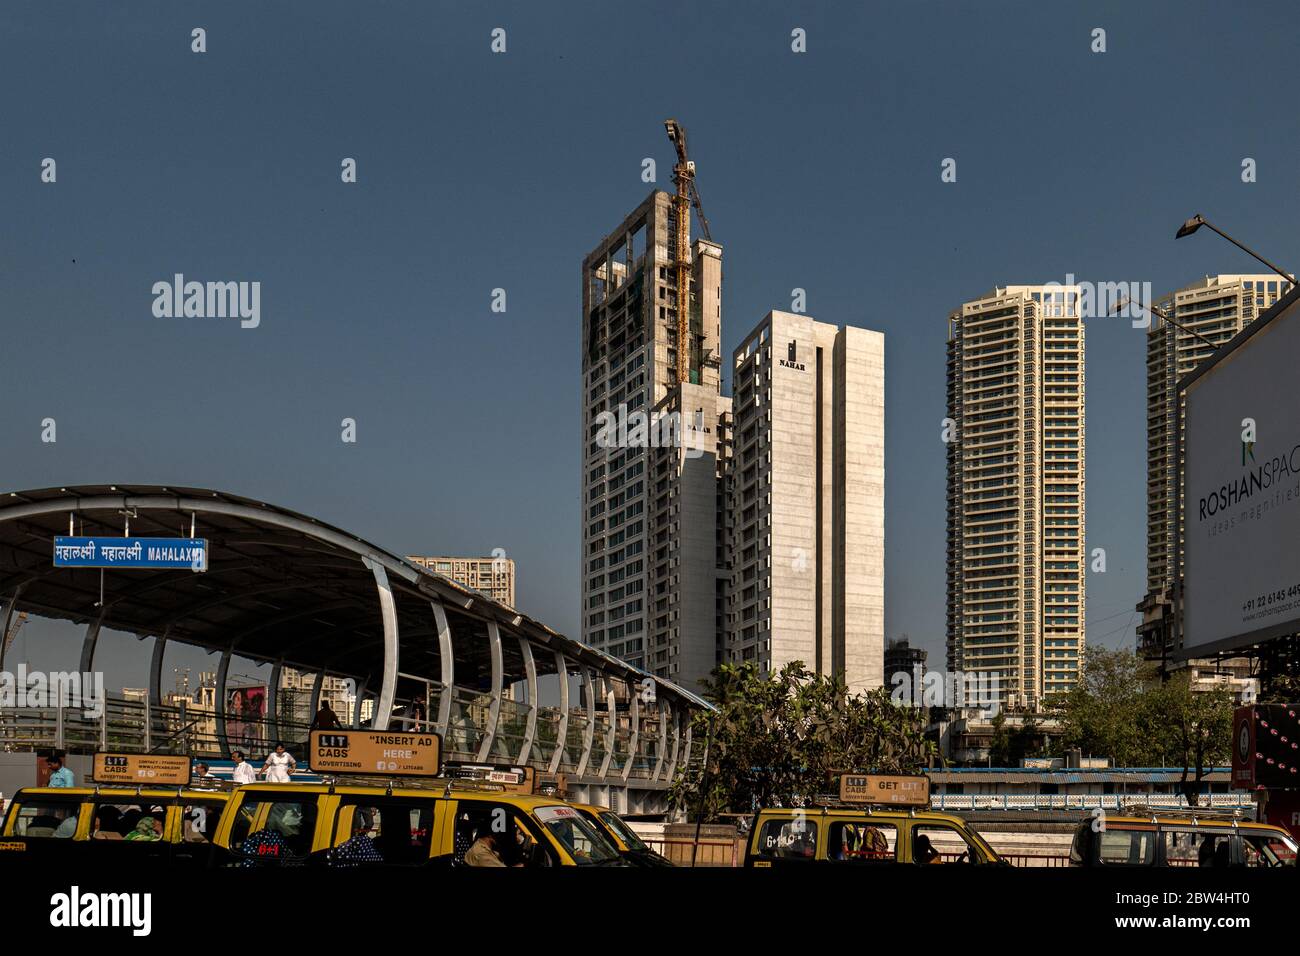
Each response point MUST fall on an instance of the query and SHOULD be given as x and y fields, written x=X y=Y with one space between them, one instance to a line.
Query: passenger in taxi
x=925 y=853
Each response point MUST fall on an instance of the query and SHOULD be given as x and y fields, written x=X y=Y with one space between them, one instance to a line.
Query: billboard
x=1266 y=747
x=1241 y=490
x=885 y=789
x=382 y=753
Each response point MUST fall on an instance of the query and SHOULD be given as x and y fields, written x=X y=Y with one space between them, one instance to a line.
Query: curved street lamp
x=1197 y=221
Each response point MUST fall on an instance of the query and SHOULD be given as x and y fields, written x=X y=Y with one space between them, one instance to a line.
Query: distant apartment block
x=493 y=576
x=1016 y=502
x=805 y=492
x=1216 y=307
x=650 y=562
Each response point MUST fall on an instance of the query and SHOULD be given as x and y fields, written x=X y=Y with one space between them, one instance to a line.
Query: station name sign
x=190 y=554
x=375 y=752
x=889 y=790
x=164 y=770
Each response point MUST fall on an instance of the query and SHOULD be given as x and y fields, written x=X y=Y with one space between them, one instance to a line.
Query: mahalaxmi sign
x=190 y=554
x=888 y=790
x=375 y=753
x=165 y=770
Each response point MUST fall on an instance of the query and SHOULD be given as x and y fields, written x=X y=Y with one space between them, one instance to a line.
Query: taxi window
x=584 y=842
x=1189 y=847
x=133 y=822
x=399 y=831
x=934 y=845
x=274 y=828
x=56 y=819
x=788 y=839
x=1267 y=850
x=1126 y=847
x=625 y=832
x=199 y=820
x=493 y=834
x=850 y=841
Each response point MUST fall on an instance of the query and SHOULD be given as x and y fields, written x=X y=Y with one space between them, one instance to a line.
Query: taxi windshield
x=625 y=832
x=580 y=838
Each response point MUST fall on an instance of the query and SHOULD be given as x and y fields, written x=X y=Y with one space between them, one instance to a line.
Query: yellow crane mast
x=687 y=195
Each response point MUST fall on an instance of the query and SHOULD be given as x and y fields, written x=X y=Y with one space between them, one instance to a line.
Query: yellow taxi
x=854 y=836
x=630 y=846
x=111 y=826
x=1160 y=838
x=447 y=824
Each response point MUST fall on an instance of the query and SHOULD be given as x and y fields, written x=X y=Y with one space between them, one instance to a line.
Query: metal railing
x=1084 y=801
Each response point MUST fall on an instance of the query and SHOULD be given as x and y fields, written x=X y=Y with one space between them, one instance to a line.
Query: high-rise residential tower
x=1016 y=507
x=806 y=509
x=494 y=575
x=1217 y=308
x=650 y=555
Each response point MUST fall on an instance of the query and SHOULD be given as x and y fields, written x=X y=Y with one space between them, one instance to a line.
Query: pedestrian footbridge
x=290 y=591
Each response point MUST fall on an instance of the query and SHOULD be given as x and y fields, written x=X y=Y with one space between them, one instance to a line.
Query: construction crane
x=19 y=620
x=687 y=196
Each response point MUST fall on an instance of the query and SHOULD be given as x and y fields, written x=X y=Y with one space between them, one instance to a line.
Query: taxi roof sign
x=512 y=779
x=375 y=753
x=168 y=770
x=896 y=790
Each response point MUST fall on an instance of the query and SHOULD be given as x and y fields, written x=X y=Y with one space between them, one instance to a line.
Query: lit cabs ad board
x=375 y=752
x=166 y=770
x=885 y=789
x=495 y=776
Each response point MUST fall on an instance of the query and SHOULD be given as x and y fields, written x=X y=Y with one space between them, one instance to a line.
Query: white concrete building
x=806 y=502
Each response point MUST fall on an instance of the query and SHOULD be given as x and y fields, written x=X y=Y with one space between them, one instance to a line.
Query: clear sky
x=478 y=171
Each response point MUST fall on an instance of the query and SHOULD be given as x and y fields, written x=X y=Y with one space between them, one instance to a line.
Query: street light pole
x=1166 y=316
x=1197 y=221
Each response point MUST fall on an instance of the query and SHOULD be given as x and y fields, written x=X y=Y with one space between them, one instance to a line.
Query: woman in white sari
x=279 y=765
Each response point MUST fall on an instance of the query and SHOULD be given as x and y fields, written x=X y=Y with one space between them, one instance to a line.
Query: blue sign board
x=189 y=554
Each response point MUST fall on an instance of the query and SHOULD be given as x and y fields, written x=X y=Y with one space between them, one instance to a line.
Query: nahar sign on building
x=1241 y=488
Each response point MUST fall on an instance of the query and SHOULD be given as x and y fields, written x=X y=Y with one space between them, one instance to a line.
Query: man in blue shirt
x=60 y=776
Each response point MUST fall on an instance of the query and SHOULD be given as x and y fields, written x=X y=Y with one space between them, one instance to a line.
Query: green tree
x=1124 y=710
x=778 y=738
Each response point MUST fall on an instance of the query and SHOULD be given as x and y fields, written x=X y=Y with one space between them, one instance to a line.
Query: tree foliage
x=1123 y=710
x=778 y=738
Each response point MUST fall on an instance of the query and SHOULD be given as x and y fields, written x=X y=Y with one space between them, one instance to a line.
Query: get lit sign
x=887 y=790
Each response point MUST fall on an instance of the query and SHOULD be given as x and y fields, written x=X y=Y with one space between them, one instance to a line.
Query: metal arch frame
x=392 y=647
x=155 y=668
x=562 y=731
x=219 y=704
x=362 y=687
x=530 y=669
x=589 y=735
x=662 y=707
x=90 y=642
x=273 y=701
x=677 y=743
x=611 y=708
x=7 y=620
x=265 y=516
x=447 y=665
x=634 y=741
x=494 y=708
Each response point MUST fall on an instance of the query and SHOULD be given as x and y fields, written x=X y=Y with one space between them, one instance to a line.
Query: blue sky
x=479 y=170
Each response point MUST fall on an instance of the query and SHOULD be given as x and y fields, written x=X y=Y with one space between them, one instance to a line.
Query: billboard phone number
x=1271 y=598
